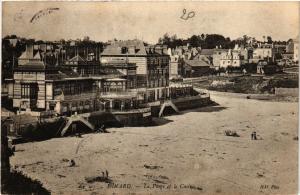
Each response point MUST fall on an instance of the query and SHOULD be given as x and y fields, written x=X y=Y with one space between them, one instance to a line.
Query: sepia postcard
x=149 y=97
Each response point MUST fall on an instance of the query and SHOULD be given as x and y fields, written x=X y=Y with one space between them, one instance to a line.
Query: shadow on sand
x=18 y=183
x=159 y=121
x=209 y=109
x=213 y=107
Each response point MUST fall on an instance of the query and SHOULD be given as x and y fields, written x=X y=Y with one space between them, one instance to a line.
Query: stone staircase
x=166 y=104
x=76 y=118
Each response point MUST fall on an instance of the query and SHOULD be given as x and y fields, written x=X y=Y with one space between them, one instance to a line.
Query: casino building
x=78 y=85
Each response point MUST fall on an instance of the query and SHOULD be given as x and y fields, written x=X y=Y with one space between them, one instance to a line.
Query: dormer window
x=124 y=50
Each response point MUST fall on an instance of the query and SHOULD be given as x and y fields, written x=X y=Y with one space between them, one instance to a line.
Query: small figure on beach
x=72 y=163
x=102 y=129
x=253 y=136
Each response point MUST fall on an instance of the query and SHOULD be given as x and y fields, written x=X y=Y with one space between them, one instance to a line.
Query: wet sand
x=187 y=154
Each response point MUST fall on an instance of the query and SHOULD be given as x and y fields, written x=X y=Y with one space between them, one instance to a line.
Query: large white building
x=152 y=65
x=233 y=57
x=230 y=58
x=264 y=51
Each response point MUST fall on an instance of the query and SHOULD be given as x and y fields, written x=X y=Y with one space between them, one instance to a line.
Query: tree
x=86 y=38
x=160 y=40
x=202 y=36
x=10 y=37
x=39 y=42
x=269 y=39
x=213 y=40
x=166 y=39
x=170 y=41
x=195 y=41
x=63 y=42
x=173 y=38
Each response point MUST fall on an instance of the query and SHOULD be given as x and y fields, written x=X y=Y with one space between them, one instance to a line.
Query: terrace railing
x=119 y=94
x=82 y=96
x=131 y=111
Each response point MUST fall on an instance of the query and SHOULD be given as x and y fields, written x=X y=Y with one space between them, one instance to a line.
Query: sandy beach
x=187 y=153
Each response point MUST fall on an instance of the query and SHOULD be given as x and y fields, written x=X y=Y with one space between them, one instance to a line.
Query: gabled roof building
x=152 y=65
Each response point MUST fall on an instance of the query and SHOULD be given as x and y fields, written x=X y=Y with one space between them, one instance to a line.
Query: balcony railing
x=82 y=96
x=119 y=94
x=131 y=111
x=94 y=95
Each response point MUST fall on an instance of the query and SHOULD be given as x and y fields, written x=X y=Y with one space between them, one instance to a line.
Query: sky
x=103 y=21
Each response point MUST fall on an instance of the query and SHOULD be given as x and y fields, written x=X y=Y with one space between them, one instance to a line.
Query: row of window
x=158 y=71
x=71 y=89
x=228 y=62
x=29 y=91
x=163 y=60
x=115 y=88
x=232 y=57
x=158 y=83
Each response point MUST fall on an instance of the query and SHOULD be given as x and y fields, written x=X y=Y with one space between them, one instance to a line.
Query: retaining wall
x=294 y=92
x=134 y=119
x=189 y=103
x=183 y=104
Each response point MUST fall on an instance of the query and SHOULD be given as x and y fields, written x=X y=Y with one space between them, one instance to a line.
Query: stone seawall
x=134 y=119
x=294 y=92
x=183 y=104
x=192 y=102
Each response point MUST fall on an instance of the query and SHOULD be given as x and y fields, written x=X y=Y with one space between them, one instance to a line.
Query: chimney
x=131 y=50
x=165 y=49
x=158 y=49
x=151 y=50
x=161 y=50
x=29 y=50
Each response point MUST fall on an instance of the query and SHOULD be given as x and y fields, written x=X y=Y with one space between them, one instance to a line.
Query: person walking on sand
x=254 y=135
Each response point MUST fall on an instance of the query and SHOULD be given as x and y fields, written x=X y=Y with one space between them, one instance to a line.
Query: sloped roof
x=62 y=74
x=196 y=63
x=33 y=62
x=24 y=55
x=37 y=56
x=207 y=52
x=116 y=48
x=76 y=58
x=203 y=58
